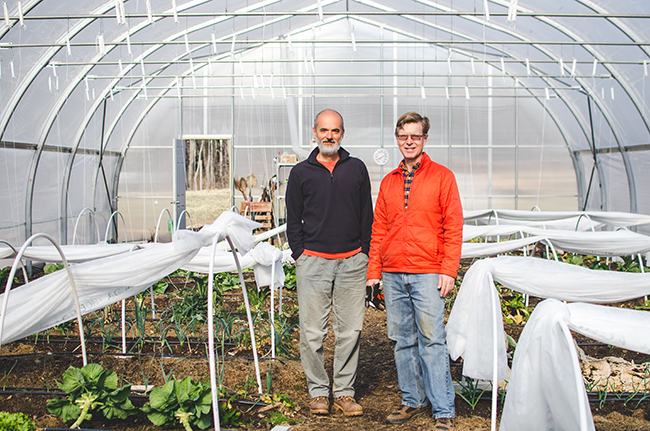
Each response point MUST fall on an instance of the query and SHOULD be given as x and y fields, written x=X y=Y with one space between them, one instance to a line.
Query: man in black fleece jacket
x=329 y=221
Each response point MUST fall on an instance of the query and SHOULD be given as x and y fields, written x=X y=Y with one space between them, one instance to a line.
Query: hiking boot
x=406 y=413
x=348 y=406
x=444 y=424
x=320 y=406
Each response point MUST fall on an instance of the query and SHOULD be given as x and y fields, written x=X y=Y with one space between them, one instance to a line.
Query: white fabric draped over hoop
x=47 y=302
x=469 y=328
x=546 y=388
x=568 y=220
x=602 y=243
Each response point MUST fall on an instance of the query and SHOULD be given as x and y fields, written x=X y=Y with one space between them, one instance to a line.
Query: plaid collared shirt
x=408 y=179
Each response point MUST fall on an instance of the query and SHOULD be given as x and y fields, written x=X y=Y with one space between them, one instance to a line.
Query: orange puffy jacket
x=428 y=236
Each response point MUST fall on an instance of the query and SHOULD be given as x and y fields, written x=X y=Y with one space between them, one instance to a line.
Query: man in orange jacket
x=416 y=243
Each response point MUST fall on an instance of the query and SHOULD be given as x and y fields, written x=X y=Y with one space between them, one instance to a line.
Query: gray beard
x=328 y=151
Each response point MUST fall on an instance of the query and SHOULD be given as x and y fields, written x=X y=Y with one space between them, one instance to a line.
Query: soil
x=29 y=370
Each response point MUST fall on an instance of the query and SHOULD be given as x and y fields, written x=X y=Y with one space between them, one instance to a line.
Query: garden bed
x=31 y=367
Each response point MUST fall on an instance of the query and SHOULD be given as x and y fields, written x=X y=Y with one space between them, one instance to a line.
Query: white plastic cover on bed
x=568 y=220
x=469 y=328
x=546 y=388
x=260 y=258
x=73 y=253
x=47 y=301
x=603 y=243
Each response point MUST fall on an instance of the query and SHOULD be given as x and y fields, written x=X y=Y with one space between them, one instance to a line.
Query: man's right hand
x=374 y=296
x=372 y=282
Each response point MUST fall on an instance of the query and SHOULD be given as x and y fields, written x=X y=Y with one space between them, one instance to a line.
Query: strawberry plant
x=180 y=401
x=90 y=389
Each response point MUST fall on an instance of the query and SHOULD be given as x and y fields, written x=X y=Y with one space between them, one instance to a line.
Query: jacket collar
x=424 y=162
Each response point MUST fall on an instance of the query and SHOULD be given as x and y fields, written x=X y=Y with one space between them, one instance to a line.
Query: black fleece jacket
x=329 y=213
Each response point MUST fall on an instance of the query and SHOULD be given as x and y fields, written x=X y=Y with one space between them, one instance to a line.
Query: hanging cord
x=468 y=140
x=541 y=155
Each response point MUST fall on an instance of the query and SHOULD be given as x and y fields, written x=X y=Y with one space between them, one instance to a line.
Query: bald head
x=328 y=112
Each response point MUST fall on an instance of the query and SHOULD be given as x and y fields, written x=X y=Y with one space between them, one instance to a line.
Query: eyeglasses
x=414 y=138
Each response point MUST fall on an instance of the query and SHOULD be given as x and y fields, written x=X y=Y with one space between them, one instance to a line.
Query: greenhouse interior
x=146 y=147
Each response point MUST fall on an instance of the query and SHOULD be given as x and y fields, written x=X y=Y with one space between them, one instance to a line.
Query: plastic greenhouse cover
x=47 y=302
x=470 y=324
x=546 y=389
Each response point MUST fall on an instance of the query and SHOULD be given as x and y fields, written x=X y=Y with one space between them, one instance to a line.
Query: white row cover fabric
x=47 y=301
x=259 y=258
x=73 y=253
x=470 y=324
x=473 y=250
x=546 y=389
x=568 y=220
x=602 y=243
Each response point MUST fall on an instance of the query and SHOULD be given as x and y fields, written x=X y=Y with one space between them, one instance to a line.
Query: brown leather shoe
x=406 y=413
x=320 y=406
x=348 y=406
x=444 y=424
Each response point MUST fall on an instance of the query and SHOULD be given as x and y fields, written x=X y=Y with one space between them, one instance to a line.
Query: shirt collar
x=405 y=170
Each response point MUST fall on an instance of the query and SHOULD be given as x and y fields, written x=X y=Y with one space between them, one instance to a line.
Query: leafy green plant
x=285 y=409
x=91 y=388
x=16 y=422
x=52 y=267
x=194 y=307
x=256 y=299
x=180 y=401
x=4 y=275
x=289 y=276
x=513 y=307
x=285 y=342
x=226 y=281
x=630 y=264
x=160 y=287
x=228 y=415
x=470 y=391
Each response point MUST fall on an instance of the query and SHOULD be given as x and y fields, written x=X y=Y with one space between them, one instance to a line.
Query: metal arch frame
x=187 y=73
x=135 y=94
x=576 y=165
x=634 y=37
x=578 y=169
x=91 y=112
x=570 y=104
x=4 y=121
x=609 y=118
x=44 y=59
x=155 y=100
x=72 y=85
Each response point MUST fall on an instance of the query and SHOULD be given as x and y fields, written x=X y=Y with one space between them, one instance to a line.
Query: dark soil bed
x=30 y=368
x=377 y=390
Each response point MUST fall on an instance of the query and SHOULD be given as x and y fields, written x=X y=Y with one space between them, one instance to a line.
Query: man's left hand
x=445 y=284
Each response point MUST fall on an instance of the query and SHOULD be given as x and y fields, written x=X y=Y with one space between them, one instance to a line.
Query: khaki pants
x=338 y=285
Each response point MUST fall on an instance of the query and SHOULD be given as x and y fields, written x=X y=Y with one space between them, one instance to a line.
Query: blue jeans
x=415 y=318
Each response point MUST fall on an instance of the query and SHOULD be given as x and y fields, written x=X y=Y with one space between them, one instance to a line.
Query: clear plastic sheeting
x=546 y=389
x=470 y=325
x=550 y=110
